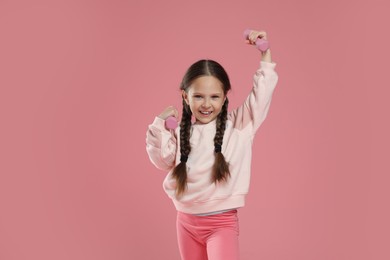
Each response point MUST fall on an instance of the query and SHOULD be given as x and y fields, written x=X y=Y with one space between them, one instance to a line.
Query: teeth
x=205 y=113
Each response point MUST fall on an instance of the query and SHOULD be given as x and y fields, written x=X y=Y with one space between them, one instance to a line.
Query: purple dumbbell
x=171 y=122
x=261 y=44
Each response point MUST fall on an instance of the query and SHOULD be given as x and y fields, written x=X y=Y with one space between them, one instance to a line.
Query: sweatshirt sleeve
x=161 y=145
x=255 y=108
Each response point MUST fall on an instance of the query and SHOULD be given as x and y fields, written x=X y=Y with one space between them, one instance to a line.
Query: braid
x=221 y=167
x=180 y=171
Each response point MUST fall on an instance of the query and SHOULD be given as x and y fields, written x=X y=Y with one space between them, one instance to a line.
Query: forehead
x=206 y=84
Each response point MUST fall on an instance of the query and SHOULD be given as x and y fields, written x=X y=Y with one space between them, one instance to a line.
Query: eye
x=215 y=97
x=197 y=96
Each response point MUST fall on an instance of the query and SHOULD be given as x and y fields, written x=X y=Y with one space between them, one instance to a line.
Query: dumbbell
x=261 y=44
x=171 y=123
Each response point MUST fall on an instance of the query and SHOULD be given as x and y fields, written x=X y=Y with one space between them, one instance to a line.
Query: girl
x=209 y=160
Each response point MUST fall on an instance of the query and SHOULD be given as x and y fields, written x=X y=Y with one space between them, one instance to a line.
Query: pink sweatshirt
x=202 y=195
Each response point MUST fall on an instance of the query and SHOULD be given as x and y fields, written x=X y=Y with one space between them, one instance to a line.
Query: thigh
x=190 y=245
x=223 y=245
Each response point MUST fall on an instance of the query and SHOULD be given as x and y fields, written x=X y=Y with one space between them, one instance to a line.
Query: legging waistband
x=213 y=212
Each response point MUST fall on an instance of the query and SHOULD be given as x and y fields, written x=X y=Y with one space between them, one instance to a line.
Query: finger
x=254 y=35
x=263 y=35
x=259 y=34
x=171 y=112
x=176 y=113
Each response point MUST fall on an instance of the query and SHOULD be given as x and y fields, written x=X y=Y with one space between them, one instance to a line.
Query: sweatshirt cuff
x=159 y=122
x=267 y=65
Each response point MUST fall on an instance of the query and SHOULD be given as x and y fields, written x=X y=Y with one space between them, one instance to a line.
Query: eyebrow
x=213 y=94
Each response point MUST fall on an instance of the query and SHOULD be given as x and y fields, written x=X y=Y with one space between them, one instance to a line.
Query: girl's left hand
x=253 y=35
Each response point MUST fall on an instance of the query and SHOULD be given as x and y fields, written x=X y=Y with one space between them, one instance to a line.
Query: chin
x=205 y=120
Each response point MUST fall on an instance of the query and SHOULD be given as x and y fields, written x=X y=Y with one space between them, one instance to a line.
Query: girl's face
x=205 y=97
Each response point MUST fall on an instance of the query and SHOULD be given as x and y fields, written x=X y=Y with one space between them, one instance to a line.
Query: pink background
x=81 y=80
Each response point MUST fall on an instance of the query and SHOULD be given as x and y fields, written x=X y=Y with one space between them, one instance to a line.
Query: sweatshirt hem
x=235 y=201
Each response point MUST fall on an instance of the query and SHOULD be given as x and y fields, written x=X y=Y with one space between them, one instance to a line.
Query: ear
x=185 y=97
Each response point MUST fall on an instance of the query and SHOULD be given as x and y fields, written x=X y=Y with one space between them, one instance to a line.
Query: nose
x=206 y=103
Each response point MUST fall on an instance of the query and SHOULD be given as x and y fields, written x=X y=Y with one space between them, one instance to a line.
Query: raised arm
x=254 y=110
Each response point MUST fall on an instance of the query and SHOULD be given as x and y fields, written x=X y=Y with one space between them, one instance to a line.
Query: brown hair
x=221 y=167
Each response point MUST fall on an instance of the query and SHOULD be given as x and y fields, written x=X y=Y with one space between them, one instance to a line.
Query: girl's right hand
x=169 y=111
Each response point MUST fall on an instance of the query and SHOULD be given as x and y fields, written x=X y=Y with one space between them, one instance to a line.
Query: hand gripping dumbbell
x=261 y=44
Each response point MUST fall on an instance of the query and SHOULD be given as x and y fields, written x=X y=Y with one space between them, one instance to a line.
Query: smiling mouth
x=206 y=113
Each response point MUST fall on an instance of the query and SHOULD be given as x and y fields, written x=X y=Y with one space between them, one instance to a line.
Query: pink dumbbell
x=171 y=122
x=261 y=44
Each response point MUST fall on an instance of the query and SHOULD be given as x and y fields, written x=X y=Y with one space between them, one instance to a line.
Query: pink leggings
x=213 y=237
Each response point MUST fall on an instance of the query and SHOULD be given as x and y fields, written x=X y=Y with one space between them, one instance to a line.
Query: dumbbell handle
x=261 y=44
x=171 y=123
